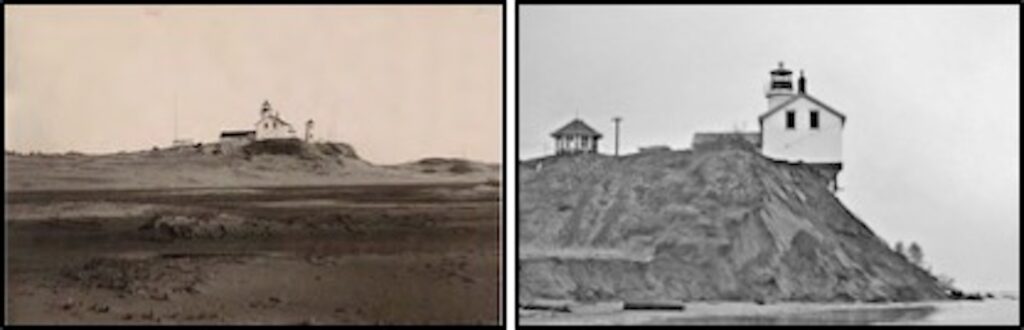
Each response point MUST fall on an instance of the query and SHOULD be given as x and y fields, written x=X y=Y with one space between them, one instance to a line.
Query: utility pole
x=175 y=140
x=617 y=120
x=309 y=131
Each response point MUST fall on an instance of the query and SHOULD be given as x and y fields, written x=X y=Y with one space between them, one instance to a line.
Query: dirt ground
x=375 y=254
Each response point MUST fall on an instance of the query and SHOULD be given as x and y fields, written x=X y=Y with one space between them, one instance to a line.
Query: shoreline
x=751 y=313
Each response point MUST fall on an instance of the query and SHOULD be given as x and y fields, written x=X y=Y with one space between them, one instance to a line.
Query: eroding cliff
x=722 y=223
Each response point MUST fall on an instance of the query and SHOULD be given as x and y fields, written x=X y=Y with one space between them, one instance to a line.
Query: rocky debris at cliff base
x=960 y=295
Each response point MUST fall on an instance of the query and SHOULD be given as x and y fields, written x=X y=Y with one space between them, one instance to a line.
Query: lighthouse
x=799 y=128
x=780 y=88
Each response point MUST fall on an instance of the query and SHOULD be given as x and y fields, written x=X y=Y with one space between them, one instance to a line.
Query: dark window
x=814 y=119
x=790 y=119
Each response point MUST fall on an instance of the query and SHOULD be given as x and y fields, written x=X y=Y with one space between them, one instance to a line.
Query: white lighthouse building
x=271 y=126
x=796 y=128
x=799 y=128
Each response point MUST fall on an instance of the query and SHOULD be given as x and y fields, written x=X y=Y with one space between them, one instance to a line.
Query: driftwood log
x=654 y=305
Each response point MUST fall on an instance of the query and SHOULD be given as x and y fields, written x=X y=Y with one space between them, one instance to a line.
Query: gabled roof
x=276 y=119
x=576 y=127
x=796 y=97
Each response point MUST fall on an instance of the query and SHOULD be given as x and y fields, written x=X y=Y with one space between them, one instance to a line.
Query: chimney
x=801 y=84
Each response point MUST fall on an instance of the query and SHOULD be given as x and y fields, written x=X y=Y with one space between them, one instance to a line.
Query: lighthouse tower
x=265 y=110
x=781 y=86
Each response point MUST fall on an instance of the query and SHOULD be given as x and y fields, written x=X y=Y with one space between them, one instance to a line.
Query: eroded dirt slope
x=720 y=224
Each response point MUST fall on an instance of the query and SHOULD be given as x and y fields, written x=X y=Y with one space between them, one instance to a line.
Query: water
x=988 y=312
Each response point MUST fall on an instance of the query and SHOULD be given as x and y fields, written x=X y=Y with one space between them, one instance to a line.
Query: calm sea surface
x=989 y=312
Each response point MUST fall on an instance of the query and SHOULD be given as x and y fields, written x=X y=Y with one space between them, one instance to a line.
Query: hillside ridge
x=278 y=162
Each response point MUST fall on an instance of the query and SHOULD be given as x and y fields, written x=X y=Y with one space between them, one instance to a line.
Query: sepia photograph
x=768 y=165
x=253 y=165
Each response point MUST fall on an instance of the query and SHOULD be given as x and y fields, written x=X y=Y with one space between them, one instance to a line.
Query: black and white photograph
x=768 y=165
x=253 y=164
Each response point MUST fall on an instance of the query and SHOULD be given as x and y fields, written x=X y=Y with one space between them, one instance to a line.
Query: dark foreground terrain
x=376 y=254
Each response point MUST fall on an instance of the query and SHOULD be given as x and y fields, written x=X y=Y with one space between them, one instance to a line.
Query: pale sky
x=400 y=83
x=931 y=95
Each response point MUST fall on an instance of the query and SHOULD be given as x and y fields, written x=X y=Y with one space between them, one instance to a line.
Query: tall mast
x=617 y=120
x=175 y=116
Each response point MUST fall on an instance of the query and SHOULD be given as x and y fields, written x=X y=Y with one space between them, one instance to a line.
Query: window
x=790 y=119
x=814 y=119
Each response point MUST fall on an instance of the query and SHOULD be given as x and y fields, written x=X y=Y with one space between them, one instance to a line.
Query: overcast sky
x=398 y=82
x=931 y=94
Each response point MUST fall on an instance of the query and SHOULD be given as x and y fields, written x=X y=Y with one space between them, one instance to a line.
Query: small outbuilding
x=709 y=139
x=576 y=137
x=237 y=137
